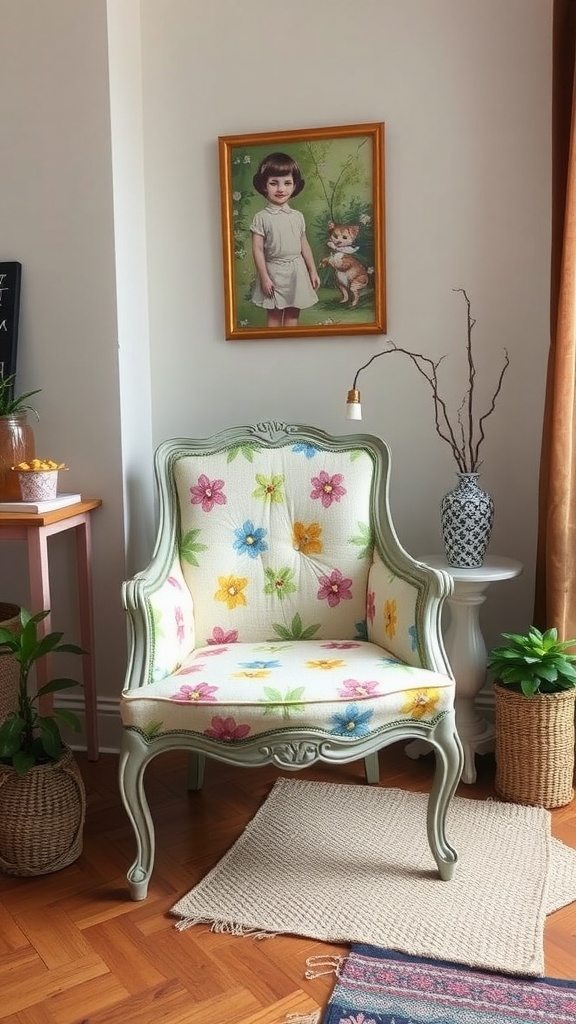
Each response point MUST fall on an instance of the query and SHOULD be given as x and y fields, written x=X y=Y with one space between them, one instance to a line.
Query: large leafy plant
x=10 y=405
x=534 y=662
x=26 y=737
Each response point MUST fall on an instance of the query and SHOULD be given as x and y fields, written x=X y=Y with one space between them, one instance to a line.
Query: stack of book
x=60 y=501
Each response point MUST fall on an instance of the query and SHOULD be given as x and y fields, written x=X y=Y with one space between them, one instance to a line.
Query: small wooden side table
x=467 y=653
x=35 y=528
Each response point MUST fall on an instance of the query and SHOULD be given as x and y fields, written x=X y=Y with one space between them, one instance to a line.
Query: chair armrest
x=160 y=614
x=404 y=609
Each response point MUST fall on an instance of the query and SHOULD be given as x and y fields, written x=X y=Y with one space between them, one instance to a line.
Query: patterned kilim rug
x=351 y=863
x=379 y=986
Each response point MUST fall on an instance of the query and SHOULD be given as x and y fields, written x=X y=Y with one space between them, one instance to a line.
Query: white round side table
x=467 y=653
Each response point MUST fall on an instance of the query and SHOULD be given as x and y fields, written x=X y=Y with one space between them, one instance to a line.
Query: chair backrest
x=278 y=532
x=275 y=534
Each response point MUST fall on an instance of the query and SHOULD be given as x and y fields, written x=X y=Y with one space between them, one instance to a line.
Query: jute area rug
x=378 y=986
x=351 y=864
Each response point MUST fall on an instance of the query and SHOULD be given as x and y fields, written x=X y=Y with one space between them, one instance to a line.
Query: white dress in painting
x=282 y=230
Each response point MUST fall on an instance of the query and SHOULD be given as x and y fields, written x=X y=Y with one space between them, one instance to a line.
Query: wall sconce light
x=353 y=403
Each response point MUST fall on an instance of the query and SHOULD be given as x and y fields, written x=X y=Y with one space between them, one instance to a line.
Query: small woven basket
x=9 y=668
x=41 y=817
x=534 y=747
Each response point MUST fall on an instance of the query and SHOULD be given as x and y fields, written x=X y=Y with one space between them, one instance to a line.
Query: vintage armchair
x=280 y=620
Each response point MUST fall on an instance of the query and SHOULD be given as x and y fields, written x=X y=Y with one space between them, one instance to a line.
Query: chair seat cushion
x=231 y=692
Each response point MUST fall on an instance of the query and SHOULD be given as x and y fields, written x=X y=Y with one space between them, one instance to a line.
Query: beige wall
x=463 y=87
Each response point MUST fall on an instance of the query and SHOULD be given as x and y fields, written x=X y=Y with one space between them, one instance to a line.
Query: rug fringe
x=224 y=927
x=316 y=963
x=304 y=1018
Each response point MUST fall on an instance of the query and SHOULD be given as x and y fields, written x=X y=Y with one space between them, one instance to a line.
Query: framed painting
x=303 y=232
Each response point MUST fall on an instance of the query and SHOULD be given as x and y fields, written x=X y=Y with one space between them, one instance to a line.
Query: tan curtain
x=555 y=603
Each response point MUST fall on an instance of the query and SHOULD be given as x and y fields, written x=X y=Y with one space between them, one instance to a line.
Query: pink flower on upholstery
x=370 y=606
x=187 y=670
x=180 y=627
x=223 y=636
x=174 y=582
x=202 y=692
x=327 y=488
x=208 y=493
x=340 y=645
x=226 y=730
x=214 y=652
x=355 y=689
x=334 y=588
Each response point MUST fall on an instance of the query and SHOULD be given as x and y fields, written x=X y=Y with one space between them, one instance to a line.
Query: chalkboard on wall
x=10 y=278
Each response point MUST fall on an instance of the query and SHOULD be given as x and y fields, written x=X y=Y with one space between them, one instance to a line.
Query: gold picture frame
x=322 y=270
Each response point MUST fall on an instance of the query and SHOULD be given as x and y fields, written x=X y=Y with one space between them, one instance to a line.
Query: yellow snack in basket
x=39 y=466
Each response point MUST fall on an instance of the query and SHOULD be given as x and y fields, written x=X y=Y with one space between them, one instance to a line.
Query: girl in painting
x=287 y=278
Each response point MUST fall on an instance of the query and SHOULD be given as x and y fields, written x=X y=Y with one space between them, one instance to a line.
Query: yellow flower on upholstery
x=231 y=591
x=420 y=702
x=390 y=618
x=325 y=663
x=258 y=673
x=307 y=538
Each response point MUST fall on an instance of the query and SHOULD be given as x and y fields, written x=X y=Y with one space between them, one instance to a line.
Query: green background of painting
x=339 y=186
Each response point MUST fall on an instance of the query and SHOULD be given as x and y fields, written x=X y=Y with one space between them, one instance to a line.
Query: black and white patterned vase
x=466 y=516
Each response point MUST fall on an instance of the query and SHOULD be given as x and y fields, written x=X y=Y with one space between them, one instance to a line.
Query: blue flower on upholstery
x=351 y=722
x=412 y=633
x=250 y=539
x=307 y=449
x=389 y=660
x=259 y=664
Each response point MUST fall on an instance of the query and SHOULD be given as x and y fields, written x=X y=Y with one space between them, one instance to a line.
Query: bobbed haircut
x=277 y=165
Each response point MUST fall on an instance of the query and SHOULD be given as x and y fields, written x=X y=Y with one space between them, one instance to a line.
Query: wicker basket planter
x=41 y=817
x=9 y=619
x=535 y=747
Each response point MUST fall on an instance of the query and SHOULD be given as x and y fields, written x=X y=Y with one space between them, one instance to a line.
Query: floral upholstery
x=280 y=605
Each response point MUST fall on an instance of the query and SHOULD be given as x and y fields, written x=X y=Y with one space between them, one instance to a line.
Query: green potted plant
x=534 y=695
x=16 y=436
x=42 y=796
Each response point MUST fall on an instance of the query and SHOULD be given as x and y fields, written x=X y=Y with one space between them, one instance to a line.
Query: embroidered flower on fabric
x=257 y=673
x=370 y=606
x=187 y=670
x=190 y=694
x=280 y=582
x=390 y=618
x=180 y=626
x=334 y=588
x=361 y=629
x=327 y=488
x=355 y=688
x=259 y=664
x=214 y=652
x=222 y=636
x=307 y=538
x=207 y=493
x=287 y=705
x=231 y=591
x=250 y=539
x=413 y=634
x=226 y=730
x=306 y=449
x=326 y=664
x=341 y=645
x=420 y=702
x=174 y=582
x=351 y=722
x=269 y=488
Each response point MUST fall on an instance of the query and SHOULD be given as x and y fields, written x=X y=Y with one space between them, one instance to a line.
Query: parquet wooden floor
x=75 y=950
